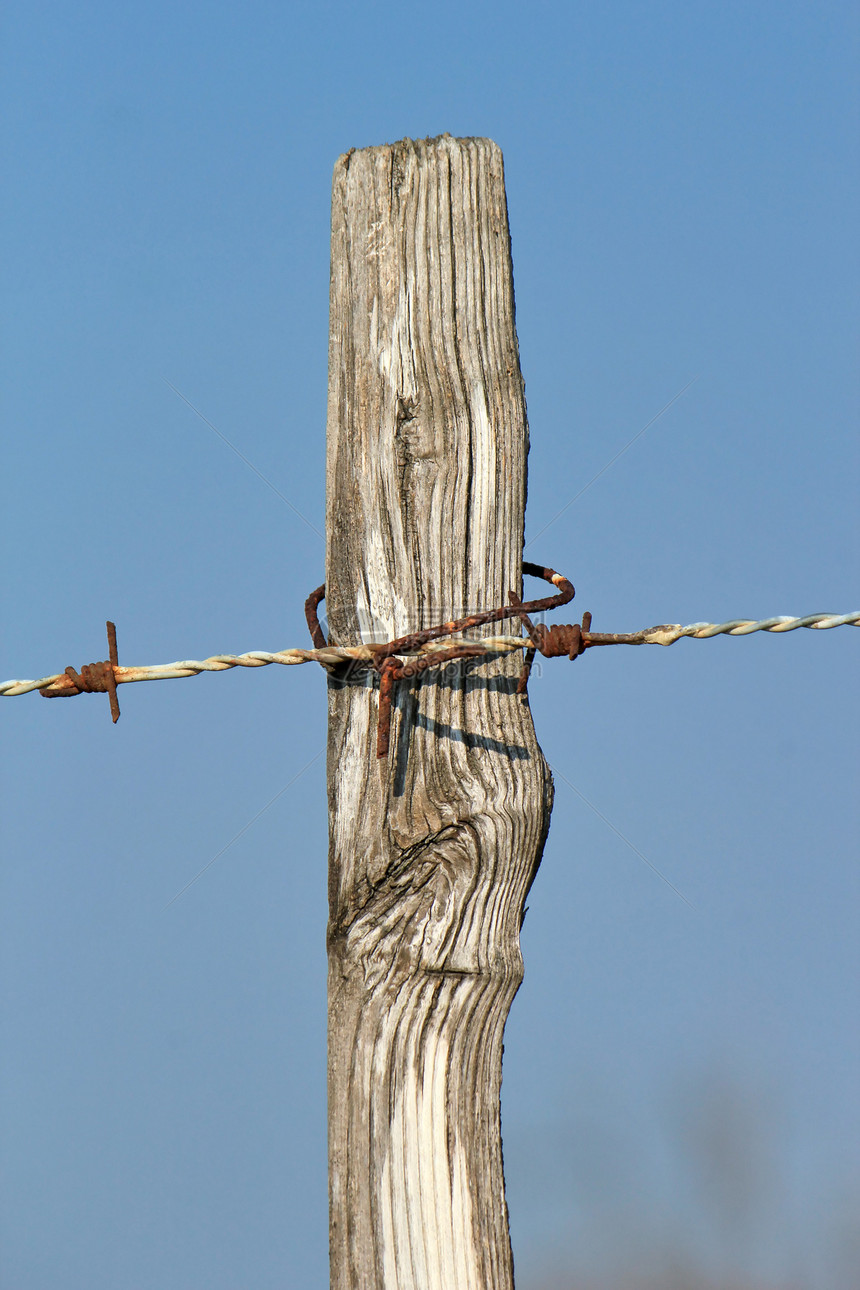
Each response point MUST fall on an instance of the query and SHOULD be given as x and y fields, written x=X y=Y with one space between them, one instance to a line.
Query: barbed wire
x=64 y=684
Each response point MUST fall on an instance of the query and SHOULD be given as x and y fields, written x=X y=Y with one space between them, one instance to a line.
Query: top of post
x=438 y=143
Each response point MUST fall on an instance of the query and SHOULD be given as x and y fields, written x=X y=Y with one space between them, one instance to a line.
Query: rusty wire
x=391 y=668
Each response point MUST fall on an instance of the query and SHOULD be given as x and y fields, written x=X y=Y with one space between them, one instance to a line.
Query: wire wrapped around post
x=408 y=656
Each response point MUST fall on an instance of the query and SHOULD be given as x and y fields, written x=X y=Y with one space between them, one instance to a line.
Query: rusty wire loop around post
x=391 y=669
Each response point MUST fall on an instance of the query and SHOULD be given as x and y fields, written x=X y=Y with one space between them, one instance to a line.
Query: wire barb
x=93 y=678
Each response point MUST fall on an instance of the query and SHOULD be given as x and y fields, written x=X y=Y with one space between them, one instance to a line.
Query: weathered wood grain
x=432 y=850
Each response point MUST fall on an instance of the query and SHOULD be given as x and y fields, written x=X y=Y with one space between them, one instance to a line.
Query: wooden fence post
x=432 y=849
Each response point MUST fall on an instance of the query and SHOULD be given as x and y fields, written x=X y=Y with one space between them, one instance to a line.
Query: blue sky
x=680 y=1084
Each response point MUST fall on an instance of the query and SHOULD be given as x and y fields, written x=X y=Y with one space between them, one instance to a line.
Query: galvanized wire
x=334 y=655
x=668 y=633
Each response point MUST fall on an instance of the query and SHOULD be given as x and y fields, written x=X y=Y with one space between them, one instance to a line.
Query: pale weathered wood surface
x=433 y=850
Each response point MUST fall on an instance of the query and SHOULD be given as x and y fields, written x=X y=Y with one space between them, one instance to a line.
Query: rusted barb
x=93 y=678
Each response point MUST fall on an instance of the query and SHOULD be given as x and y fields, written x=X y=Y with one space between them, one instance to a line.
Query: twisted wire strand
x=743 y=626
x=335 y=655
x=668 y=633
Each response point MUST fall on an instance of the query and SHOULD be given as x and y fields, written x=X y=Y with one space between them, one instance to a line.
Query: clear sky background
x=680 y=1089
